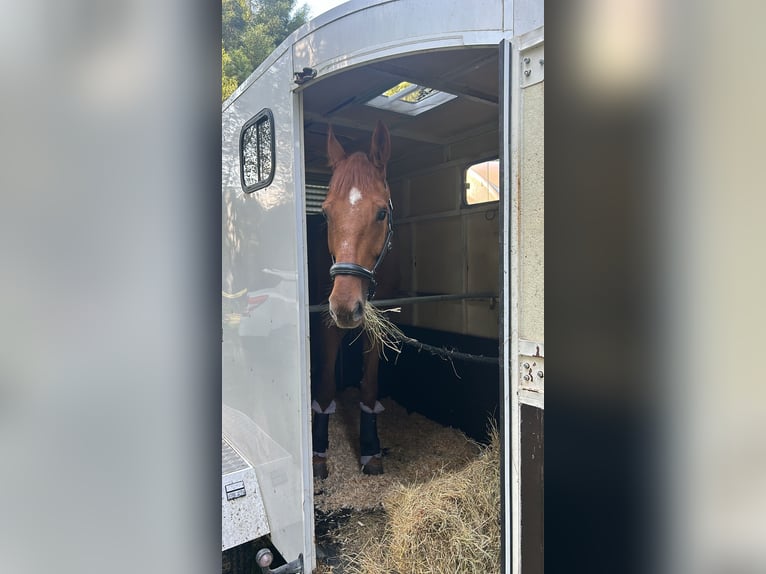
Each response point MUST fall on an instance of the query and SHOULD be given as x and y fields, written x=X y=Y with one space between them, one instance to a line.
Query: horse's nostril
x=348 y=313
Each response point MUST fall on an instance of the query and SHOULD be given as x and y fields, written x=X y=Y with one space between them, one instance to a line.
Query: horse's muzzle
x=347 y=316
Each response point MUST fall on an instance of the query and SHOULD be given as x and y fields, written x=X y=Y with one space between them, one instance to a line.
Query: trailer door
x=265 y=383
x=523 y=282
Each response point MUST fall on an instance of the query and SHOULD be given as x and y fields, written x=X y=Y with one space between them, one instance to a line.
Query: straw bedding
x=447 y=525
x=436 y=509
x=416 y=450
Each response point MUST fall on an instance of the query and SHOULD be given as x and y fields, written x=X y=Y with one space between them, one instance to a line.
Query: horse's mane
x=356 y=171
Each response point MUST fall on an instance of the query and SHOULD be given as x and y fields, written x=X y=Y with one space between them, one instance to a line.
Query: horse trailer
x=460 y=87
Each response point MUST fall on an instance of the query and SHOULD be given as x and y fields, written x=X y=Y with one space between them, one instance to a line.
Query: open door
x=265 y=389
x=522 y=78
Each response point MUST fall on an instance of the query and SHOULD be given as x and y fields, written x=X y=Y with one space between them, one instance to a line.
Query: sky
x=317 y=7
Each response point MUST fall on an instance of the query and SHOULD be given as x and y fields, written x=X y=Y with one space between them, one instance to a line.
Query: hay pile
x=435 y=510
x=449 y=524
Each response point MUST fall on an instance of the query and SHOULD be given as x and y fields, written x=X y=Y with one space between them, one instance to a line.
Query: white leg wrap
x=328 y=411
x=365 y=459
x=377 y=410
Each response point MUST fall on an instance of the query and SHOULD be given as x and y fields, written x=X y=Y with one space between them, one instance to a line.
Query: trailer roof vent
x=411 y=99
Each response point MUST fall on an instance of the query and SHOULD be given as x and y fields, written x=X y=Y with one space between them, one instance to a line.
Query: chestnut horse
x=358 y=211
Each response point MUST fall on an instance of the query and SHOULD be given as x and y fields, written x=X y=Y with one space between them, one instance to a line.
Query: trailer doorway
x=443 y=112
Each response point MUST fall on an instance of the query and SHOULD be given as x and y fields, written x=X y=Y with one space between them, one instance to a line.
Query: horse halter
x=363 y=272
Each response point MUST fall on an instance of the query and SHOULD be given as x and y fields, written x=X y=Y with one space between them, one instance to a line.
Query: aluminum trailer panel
x=243 y=517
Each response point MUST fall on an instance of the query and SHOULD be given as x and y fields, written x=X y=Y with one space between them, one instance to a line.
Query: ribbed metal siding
x=315 y=195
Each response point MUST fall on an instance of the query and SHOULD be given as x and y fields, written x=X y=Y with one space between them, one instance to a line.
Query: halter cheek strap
x=363 y=272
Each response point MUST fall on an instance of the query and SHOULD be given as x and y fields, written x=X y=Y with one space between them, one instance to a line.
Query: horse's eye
x=382 y=214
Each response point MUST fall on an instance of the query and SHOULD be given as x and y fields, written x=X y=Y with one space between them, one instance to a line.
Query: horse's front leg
x=371 y=455
x=323 y=403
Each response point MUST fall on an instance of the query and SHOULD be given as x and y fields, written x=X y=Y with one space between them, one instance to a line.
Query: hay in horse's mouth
x=378 y=328
x=381 y=330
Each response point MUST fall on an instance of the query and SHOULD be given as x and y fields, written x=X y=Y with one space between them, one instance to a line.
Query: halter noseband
x=363 y=272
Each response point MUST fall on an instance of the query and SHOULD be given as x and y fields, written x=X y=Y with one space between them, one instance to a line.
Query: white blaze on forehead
x=354 y=196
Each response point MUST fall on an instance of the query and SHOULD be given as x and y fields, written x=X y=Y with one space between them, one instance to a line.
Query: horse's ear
x=335 y=151
x=380 y=149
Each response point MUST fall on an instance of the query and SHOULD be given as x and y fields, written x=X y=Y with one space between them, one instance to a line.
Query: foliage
x=250 y=32
x=228 y=83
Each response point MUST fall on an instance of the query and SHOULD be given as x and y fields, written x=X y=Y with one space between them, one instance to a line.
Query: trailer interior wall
x=447 y=248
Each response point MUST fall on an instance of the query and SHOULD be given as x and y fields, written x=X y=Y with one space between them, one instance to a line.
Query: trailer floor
x=350 y=506
x=341 y=535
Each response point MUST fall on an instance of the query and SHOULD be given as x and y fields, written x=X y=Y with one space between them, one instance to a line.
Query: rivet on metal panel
x=526 y=377
x=526 y=60
x=542 y=61
x=526 y=365
x=540 y=374
x=527 y=72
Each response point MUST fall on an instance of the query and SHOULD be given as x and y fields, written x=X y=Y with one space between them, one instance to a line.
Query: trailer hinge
x=532 y=373
x=265 y=556
x=532 y=65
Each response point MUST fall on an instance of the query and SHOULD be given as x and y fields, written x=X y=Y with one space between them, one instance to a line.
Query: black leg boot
x=371 y=459
x=320 y=441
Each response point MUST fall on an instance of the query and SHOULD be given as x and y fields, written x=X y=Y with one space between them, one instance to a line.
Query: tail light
x=254 y=301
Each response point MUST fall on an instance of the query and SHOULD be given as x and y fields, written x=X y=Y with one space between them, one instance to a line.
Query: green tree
x=228 y=83
x=250 y=32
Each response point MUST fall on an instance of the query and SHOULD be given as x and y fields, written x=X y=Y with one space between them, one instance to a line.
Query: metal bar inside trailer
x=418 y=299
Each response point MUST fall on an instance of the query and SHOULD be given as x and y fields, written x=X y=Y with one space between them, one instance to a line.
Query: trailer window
x=256 y=151
x=482 y=182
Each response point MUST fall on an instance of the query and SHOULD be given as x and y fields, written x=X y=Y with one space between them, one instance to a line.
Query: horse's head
x=358 y=212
